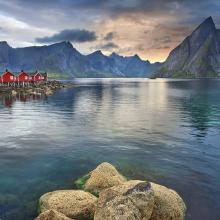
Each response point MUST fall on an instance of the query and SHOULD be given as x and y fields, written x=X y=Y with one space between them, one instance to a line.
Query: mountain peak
x=197 y=54
x=4 y=43
x=113 y=54
x=63 y=44
x=97 y=53
x=136 y=57
x=208 y=23
x=209 y=20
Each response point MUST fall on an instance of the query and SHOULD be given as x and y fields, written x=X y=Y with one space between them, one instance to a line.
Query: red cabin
x=44 y=76
x=35 y=77
x=22 y=77
x=7 y=77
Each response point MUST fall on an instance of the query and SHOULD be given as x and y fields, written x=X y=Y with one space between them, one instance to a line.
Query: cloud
x=73 y=35
x=107 y=46
x=136 y=22
x=109 y=36
x=162 y=47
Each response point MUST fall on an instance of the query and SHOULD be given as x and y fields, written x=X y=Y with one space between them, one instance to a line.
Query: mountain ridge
x=63 y=58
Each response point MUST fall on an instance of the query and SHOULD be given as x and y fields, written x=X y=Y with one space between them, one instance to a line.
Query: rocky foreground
x=39 y=89
x=104 y=194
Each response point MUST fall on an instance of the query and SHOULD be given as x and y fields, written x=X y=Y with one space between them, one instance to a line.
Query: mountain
x=133 y=65
x=197 y=56
x=63 y=58
x=56 y=58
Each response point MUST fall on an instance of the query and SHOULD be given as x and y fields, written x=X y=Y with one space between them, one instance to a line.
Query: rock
x=48 y=91
x=52 y=215
x=133 y=200
x=72 y=203
x=13 y=93
x=103 y=177
x=168 y=204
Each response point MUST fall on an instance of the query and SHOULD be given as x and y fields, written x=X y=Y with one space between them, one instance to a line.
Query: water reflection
x=200 y=103
x=8 y=100
x=164 y=131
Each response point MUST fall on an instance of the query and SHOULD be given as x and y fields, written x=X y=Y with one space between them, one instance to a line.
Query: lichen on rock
x=130 y=200
x=168 y=204
x=104 y=176
x=52 y=215
x=119 y=199
x=72 y=203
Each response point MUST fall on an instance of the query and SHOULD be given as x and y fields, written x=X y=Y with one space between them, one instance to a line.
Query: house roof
x=28 y=73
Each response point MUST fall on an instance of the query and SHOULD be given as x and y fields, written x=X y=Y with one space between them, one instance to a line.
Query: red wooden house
x=7 y=77
x=35 y=77
x=44 y=76
x=22 y=77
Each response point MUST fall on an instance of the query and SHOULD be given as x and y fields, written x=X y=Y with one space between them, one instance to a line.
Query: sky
x=149 y=28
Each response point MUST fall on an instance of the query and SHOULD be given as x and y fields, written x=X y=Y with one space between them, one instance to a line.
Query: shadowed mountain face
x=197 y=56
x=63 y=58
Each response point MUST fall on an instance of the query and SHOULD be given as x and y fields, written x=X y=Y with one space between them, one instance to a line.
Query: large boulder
x=75 y=204
x=52 y=215
x=132 y=200
x=103 y=177
x=168 y=204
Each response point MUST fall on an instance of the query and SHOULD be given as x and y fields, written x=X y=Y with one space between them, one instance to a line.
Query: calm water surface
x=158 y=130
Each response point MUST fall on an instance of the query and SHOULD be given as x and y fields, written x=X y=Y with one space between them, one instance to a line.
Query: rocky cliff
x=197 y=56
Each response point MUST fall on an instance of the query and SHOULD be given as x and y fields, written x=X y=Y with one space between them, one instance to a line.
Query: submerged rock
x=133 y=200
x=103 y=177
x=52 y=215
x=72 y=203
x=168 y=204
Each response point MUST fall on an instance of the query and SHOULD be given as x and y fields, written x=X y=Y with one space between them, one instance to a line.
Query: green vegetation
x=182 y=74
x=58 y=76
x=163 y=70
x=212 y=74
x=80 y=183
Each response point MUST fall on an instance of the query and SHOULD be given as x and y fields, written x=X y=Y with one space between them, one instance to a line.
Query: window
x=25 y=77
x=11 y=77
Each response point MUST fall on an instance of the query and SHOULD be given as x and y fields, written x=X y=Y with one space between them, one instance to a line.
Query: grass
x=58 y=76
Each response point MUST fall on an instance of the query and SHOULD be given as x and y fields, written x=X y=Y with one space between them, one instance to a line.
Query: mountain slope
x=197 y=56
x=63 y=58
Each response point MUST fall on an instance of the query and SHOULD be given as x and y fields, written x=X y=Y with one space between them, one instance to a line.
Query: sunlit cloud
x=150 y=28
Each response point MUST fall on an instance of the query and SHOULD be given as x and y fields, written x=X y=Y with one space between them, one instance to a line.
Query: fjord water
x=164 y=131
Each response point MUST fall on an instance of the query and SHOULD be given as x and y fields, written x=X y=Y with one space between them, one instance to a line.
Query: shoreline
x=47 y=88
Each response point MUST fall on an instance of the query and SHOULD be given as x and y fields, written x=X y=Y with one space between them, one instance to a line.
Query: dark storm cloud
x=73 y=35
x=191 y=11
x=116 y=6
x=109 y=36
